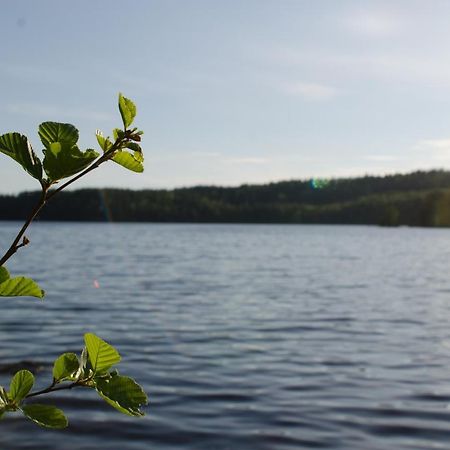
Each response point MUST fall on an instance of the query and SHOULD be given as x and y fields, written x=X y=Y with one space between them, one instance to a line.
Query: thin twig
x=46 y=195
x=15 y=245
x=93 y=166
x=53 y=388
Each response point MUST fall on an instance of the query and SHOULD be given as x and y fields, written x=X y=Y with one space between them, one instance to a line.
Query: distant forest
x=415 y=199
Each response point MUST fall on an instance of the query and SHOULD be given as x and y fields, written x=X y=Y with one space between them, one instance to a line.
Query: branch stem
x=46 y=195
x=15 y=245
x=93 y=166
x=53 y=388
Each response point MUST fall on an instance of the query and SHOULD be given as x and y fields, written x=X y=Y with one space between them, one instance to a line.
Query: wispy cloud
x=375 y=23
x=395 y=64
x=49 y=74
x=436 y=144
x=437 y=149
x=309 y=91
x=54 y=111
x=205 y=154
x=381 y=158
x=164 y=80
x=248 y=160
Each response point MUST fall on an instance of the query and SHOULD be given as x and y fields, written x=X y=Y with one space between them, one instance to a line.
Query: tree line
x=416 y=199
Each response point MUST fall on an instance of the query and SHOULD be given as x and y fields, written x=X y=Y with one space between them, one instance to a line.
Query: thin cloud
x=35 y=74
x=374 y=23
x=437 y=149
x=381 y=158
x=248 y=160
x=394 y=65
x=309 y=91
x=52 y=111
x=436 y=144
x=205 y=154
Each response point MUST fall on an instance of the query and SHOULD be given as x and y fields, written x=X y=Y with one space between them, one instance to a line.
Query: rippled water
x=245 y=337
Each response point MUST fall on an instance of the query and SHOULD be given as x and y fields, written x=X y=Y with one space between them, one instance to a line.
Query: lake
x=244 y=336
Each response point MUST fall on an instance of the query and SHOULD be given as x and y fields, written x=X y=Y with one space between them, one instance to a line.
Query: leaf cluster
x=62 y=156
x=92 y=369
x=64 y=159
x=18 y=286
x=128 y=152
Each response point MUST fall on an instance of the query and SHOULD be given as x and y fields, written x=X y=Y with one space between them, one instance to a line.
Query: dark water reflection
x=245 y=337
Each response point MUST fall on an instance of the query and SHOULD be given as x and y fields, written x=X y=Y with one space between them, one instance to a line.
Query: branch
x=93 y=166
x=46 y=196
x=15 y=245
x=53 y=388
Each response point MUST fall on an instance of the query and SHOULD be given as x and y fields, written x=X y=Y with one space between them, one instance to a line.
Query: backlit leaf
x=118 y=133
x=21 y=385
x=101 y=355
x=4 y=274
x=19 y=287
x=45 y=415
x=62 y=160
x=17 y=147
x=123 y=393
x=65 y=366
x=105 y=143
x=65 y=133
x=62 y=156
x=135 y=147
x=129 y=161
x=127 y=110
x=3 y=397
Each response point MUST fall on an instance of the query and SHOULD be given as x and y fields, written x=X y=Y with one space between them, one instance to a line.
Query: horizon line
x=235 y=186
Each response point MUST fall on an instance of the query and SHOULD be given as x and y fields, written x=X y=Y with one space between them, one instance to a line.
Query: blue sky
x=232 y=92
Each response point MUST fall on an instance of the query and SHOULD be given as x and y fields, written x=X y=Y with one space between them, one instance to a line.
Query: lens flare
x=319 y=183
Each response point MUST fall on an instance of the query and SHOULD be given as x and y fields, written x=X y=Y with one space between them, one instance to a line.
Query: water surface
x=244 y=336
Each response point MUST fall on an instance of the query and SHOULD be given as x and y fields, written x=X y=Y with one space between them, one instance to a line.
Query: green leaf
x=4 y=400
x=45 y=415
x=62 y=160
x=18 y=286
x=105 y=143
x=127 y=110
x=135 y=147
x=101 y=355
x=62 y=156
x=64 y=133
x=4 y=274
x=139 y=156
x=3 y=396
x=129 y=161
x=21 y=385
x=65 y=366
x=17 y=147
x=123 y=393
x=118 y=133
